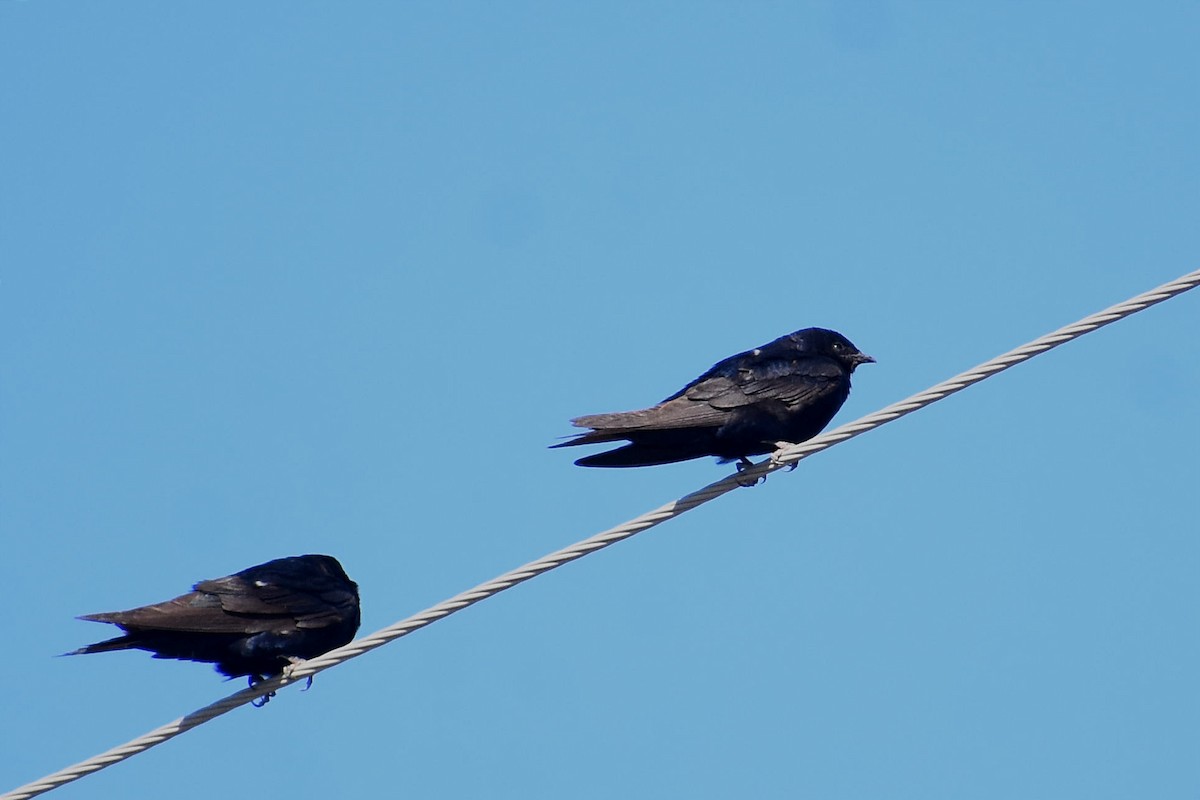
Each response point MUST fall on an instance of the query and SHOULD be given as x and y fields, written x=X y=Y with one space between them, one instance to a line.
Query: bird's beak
x=863 y=358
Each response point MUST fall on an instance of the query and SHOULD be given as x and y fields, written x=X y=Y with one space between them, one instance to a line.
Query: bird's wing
x=707 y=402
x=726 y=367
x=195 y=612
x=678 y=413
x=779 y=355
x=786 y=381
x=313 y=603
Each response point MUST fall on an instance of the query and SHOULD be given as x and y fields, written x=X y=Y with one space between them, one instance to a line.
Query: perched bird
x=785 y=391
x=254 y=622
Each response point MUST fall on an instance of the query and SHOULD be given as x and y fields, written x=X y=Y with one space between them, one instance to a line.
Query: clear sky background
x=281 y=278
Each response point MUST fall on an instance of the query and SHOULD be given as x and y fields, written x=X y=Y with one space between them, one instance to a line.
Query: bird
x=253 y=623
x=785 y=391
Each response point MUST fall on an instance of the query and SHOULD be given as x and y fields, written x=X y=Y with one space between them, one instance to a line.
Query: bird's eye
x=838 y=347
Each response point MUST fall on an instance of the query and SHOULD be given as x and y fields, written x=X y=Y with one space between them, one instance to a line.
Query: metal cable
x=787 y=455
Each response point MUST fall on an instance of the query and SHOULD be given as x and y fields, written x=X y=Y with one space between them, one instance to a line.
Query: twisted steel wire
x=785 y=456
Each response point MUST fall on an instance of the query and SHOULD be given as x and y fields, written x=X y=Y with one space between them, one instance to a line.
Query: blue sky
x=312 y=277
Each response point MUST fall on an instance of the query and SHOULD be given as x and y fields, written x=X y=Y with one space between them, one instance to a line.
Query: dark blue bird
x=785 y=391
x=254 y=622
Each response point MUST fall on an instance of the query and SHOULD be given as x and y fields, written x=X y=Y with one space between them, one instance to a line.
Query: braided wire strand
x=785 y=456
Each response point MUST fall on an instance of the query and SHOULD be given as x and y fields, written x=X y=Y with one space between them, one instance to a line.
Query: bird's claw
x=262 y=701
x=747 y=481
x=293 y=662
x=779 y=463
x=254 y=680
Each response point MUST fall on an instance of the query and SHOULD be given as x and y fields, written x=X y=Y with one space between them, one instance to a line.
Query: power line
x=788 y=455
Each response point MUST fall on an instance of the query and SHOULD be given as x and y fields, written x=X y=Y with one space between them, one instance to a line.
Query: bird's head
x=822 y=342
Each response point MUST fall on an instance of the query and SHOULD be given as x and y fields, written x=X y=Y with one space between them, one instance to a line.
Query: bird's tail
x=108 y=645
x=639 y=455
x=124 y=642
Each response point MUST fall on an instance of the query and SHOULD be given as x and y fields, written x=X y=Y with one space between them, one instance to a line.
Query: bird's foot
x=254 y=680
x=777 y=462
x=747 y=481
x=293 y=662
